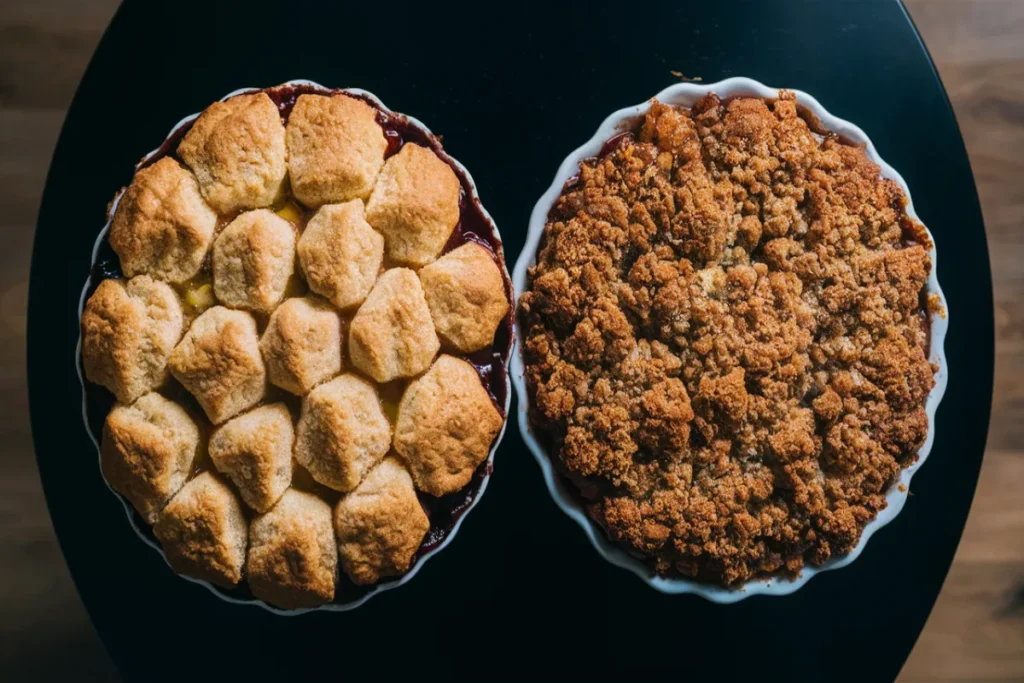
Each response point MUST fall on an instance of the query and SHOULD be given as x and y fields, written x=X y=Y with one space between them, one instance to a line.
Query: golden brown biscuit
x=380 y=525
x=253 y=258
x=392 y=335
x=128 y=332
x=162 y=226
x=147 y=453
x=237 y=151
x=466 y=295
x=415 y=204
x=341 y=254
x=342 y=433
x=204 y=532
x=219 y=362
x=335 y=149
x=302 y=344
x=292 y=553
x=254 y=451
x=446 y=424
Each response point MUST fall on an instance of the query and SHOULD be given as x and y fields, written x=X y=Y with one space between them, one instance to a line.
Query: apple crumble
x=726 y=339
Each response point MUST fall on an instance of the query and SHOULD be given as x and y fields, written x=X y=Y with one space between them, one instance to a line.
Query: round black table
x=520 y=593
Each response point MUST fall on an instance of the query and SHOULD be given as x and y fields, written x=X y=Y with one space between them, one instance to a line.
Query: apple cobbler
x=302 y=315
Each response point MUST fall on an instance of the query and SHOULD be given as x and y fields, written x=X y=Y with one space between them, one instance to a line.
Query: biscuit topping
x=236 y=149
x=466 y=295
x=415 y=204
x=129 y=329
x=392 y=334
x=203 y=531
x=282 y=334
x=162 y=226
x=292 y=554
x=335 y=149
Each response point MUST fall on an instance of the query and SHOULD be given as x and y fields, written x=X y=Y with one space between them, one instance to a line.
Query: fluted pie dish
x=294 y=347
x=729 y=340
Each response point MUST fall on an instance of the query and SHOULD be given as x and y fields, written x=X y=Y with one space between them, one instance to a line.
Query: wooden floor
x=976 y=632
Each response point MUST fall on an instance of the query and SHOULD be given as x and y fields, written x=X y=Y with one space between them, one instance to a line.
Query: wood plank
x=44 y=47
x=976 y=631
x=995 y=529
x=969 y=31
x=27 y=139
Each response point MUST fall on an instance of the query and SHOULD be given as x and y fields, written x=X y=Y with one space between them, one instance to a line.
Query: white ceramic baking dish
x=135 y=521
x=686 y=94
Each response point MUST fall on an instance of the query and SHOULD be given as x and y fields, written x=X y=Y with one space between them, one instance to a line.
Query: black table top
x=520 y=592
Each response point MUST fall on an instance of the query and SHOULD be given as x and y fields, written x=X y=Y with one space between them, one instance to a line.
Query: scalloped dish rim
x=686 y=94
x=382 y=586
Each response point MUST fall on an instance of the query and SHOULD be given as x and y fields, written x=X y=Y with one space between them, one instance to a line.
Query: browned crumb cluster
x=724 y=337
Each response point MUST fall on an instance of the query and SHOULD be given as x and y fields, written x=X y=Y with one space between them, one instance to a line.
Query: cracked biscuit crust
x=342 y=433
x=380 y=524
x=237 y=151
x=253 y=259
x=148 y=450
x=218 y=361
x=466 y=295
x=341 y=254
x=392 y=335
x=445 y=427
x=162 y=226
x=254 y=451
x=292 y=556
x=203 y=532
x=129 y=329
x=301 y=346
x=415 y=205
x=336 y=148
x=724 y=336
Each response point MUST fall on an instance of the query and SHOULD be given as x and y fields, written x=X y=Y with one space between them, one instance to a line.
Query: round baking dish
x=497 y=379
x=686 y=94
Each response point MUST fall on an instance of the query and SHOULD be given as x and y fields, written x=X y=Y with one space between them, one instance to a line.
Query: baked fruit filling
x=295 y=394
x=726 y=339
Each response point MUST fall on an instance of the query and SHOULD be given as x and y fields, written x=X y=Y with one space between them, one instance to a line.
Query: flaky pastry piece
x=292 y=553
x=301 y=346
x=392 y=334
x=415 y=204
x=162 y=226
x=219 y=362
x=253 y=260
x=129 y=329
x=342 y=432
x=254 y=451
x=466 y=295
x=236 y=149
x=341 y=254
x=203 y=531
x=335 y=149
x=380 y=524
x=446 y=424
x=147 y=452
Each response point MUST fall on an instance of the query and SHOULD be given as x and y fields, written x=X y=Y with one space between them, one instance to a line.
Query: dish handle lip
x=488 y=463
x=686 y=94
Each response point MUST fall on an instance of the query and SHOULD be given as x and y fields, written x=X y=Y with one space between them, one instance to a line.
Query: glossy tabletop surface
x=512 y=90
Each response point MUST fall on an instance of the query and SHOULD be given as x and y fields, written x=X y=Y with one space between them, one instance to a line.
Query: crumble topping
x=725 y=339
